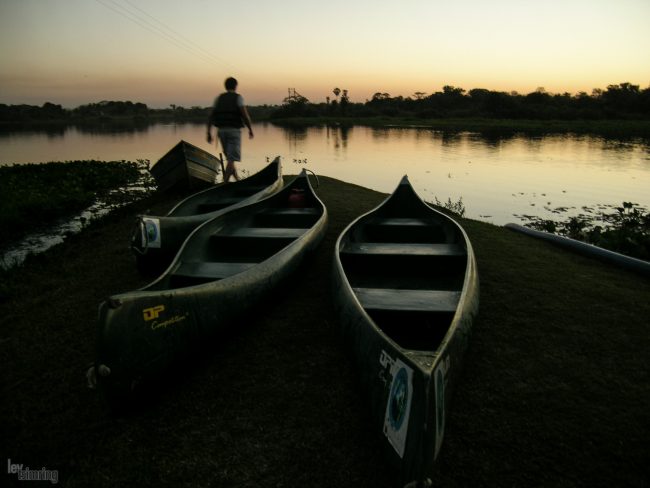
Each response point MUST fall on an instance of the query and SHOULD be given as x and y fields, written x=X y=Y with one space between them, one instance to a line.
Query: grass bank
x=554 y=392
x=608 y=128
x=32 y=195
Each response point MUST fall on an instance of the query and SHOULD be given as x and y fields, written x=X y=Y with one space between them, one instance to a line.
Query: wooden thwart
x=382 y=248
x=408 y=300
x=217 y=204
x=404 y=222
x=211 y=270
x=290 y=211
x=263 y=232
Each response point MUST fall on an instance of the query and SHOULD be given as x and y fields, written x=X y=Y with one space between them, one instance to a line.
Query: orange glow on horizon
x=363 y=46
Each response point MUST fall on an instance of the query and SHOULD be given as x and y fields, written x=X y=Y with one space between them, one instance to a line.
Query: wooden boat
x=156 y=239
x=185 y=166
x=226 y=268
x=406 y=289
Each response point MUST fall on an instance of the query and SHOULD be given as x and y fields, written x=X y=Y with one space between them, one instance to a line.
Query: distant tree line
x=112 y=111
x=50 y=111
x=623 y=101
x=106 y=110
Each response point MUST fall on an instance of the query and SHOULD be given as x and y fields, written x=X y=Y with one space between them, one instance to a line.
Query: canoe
x=185 y=166
x=228 y=267
x=617 y=259
x=156 y=239
x=406 y=290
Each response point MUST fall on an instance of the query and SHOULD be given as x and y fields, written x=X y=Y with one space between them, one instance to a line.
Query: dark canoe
x=185 y=166
x=406 y=289
x=156 y=239
x=226 y=268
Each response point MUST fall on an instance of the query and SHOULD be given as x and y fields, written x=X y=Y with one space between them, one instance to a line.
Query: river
x=500 y=178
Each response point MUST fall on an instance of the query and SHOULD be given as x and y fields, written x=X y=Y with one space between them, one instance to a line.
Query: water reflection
x=338 y=136
x=122 y=127
x=497 y=174
x=295 y=136
x=51 y=131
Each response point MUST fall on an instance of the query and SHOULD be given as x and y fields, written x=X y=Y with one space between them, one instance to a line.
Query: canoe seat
x=290 y=211
x=210 y=270
x=402 y=222
x=249 y=190
x=400 y=249
x=405 y=230
x=408 y=300
x=263 y=232
x=217 y=204
x=285 y=217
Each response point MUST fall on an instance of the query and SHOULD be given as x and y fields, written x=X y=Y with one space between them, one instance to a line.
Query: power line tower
x=294 y=96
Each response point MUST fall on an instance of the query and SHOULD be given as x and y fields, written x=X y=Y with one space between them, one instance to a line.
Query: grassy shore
x=554 y=392
x=32 y=195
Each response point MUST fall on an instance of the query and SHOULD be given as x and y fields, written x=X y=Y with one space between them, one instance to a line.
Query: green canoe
x=226 y=268
x=156 y=239
x=406 y=290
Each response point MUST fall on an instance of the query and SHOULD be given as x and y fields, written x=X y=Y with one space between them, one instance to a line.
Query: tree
x=296 y=99
x=344 y=101
x=622 y=98
x=52 y=111
x=380 y=97
x=452 y=91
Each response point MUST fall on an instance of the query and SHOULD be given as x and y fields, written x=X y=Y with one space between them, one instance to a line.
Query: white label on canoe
x=439 y=378
x=151 y=237
x=398 y=407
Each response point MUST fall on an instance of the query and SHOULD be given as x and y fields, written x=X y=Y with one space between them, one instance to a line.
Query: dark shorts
x=230 y=138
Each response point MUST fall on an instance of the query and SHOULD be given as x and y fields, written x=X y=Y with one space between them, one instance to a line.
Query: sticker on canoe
x=398 y=407
x=386 y=363
x=170 y=321
x=151 y=232
x=152 y=312
x=439 y=378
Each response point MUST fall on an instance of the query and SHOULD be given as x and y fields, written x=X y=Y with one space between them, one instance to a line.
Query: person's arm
x=247 y=121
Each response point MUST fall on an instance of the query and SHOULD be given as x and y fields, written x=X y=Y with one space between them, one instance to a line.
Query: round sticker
x=398 y=399
x=152 y=231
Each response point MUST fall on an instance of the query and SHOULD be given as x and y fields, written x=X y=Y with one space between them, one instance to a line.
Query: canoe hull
x=185 y=166
x=409 y=387
x=617 y=259
x=171 y=230
x=143 y=333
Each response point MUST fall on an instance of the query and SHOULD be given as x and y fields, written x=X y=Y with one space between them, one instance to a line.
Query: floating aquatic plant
x=626 y=230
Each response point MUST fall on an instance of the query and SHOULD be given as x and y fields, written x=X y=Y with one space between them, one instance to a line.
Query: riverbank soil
x=554 y=391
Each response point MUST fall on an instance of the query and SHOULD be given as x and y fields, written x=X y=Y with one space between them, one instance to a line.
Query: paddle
x=223 y=170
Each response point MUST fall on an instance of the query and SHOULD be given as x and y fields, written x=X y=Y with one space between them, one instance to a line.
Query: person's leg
x=231 y=170
x=231 y=144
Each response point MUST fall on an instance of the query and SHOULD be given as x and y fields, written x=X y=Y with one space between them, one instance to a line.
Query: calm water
x=498 y=178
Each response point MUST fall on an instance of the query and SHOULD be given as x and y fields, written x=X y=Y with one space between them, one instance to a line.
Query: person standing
x=229 y=115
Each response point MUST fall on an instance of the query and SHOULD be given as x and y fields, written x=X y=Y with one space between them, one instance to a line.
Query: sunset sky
x=163 y=52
